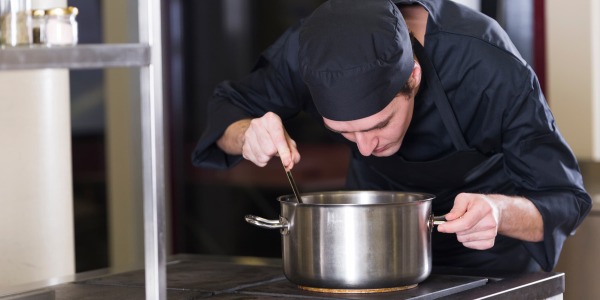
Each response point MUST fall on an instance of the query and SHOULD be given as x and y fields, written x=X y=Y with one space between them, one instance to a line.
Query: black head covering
x=355 y=56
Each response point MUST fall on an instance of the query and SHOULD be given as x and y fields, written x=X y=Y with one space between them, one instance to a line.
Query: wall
x=573 y=65
x=573 y=73
x=579 y=259
x=123 y=140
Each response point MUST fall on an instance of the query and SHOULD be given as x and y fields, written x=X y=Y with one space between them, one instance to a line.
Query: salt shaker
x=61 y=26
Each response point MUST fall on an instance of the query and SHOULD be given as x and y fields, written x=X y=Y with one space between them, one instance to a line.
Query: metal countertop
x=220 y=277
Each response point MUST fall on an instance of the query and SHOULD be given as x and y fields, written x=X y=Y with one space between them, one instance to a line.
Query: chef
x=431 y=97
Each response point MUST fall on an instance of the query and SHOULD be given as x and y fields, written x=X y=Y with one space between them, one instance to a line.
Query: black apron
x=464 y=170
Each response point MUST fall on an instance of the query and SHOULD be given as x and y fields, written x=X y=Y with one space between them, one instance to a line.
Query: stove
x=211 y=277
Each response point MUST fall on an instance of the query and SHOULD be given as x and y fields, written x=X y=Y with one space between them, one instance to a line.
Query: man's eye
x=380 y=127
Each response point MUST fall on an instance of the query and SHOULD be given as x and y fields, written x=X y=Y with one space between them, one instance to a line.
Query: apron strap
x=440 y=98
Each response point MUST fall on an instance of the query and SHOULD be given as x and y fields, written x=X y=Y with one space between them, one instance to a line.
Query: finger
x=472 y=221
x=469 y=237
x=480 y=245
x=454 y=219
x=252 y=151
x=256 y=147
x=284 y=152
x=463 y=223
x=453 y=226
x=294 y=154
x=461 y=205
x=279 y=138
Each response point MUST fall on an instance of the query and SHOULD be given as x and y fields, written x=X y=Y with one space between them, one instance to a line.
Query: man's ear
x=415 y=76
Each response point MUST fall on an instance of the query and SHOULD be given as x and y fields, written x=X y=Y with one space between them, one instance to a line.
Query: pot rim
x=287 y=199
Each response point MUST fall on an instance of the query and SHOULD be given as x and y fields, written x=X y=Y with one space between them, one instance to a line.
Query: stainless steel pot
x=354 y=240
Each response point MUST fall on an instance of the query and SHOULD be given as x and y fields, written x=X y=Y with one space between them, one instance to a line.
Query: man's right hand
x=258 y=140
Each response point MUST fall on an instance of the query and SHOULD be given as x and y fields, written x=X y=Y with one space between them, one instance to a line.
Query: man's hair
x=406 y=88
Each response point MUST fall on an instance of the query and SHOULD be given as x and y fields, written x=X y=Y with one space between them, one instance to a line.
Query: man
x=454 y=111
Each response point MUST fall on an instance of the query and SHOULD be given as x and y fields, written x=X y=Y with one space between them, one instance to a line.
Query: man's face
x=380 y=134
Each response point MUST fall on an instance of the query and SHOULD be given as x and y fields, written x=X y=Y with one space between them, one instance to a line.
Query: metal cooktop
x=210 y=277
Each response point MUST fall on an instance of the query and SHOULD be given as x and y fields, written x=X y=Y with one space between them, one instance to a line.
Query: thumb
x=460 y=207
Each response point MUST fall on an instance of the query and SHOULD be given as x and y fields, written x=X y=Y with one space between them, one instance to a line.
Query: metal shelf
x=85 y=56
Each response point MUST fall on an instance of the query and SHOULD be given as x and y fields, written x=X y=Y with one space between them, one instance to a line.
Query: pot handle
x=281 y=224
x=436 y=220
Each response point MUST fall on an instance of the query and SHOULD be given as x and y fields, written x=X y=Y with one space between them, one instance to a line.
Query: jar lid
x=61 y=11
x=38 y=12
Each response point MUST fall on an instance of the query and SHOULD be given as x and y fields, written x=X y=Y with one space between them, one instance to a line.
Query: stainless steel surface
x=153 y=151
x=268 y=224
x=193 y=276
x=356 y=239
x=52 y=282
x=437 y=220
x=89 y=56
x=538 y=285
x=294 y=186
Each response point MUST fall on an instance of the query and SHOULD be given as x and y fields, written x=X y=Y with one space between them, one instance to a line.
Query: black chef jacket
x=500 y=110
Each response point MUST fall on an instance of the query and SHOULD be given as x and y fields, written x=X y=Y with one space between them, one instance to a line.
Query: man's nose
x=365 y=143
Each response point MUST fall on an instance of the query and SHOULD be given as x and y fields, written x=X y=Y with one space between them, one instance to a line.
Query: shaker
x=15 y=22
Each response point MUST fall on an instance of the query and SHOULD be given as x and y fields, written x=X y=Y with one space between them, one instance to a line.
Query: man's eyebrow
x=376 y=126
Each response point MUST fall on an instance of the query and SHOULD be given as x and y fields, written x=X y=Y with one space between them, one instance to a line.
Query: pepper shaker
x=15 y=22
x=38 y=26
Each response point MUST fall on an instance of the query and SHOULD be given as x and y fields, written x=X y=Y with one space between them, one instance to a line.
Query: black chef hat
x=355 y=56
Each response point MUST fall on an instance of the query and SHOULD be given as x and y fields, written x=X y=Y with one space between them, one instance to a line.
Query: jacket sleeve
x=545 y=171
x=273 y=85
